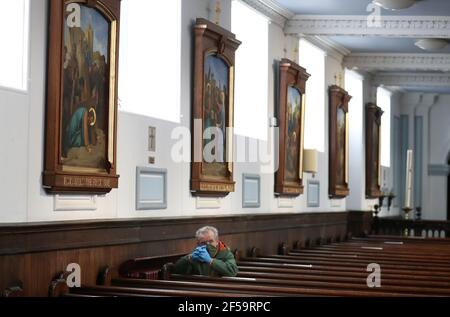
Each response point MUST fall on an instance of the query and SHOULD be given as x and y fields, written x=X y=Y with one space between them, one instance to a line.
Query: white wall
x=22 y=142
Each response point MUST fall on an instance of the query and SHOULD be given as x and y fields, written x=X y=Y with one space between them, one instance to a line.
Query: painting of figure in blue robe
x=85 y=89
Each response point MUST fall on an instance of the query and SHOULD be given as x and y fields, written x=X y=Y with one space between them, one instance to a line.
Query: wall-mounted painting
x=373 y=150
x=291 y=114
x=338 y=142
x=212 y=117
x=81 y=110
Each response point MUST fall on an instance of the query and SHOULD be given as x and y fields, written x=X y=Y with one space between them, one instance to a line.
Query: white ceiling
x=397 y=38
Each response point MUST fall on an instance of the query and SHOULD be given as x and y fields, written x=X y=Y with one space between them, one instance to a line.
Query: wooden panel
x=35 y=253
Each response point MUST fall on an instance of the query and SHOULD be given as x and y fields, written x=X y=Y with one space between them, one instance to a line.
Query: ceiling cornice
x=389 y=26
x=272 y=10
x=412 y=79
x=398 y=62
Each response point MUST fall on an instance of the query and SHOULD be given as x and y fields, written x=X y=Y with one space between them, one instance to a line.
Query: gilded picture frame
x=338 y=142
x=213 y=110
x=81 y=108
x=373 y=115
x=291 y=121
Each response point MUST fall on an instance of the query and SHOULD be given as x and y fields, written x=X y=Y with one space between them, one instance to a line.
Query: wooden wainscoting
x=35 y=253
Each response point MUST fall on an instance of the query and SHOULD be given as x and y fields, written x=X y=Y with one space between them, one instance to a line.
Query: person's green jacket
x=223 y=264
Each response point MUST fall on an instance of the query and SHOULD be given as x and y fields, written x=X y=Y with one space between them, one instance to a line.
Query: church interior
x=313 y=135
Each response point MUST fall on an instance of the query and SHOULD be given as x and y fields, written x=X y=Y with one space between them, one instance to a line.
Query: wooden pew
x=257 y=287
x=335 y=269
x=59 y=288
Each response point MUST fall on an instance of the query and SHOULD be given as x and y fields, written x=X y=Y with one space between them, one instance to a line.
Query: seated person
x=211 y=257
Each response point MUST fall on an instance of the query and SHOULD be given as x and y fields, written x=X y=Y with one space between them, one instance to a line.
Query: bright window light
x=251 y=72
x=384 y=102
x=150 y=73
x=313 y=59
x=14 y=33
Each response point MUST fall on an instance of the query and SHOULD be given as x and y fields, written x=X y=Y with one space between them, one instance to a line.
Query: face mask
x=211 y=249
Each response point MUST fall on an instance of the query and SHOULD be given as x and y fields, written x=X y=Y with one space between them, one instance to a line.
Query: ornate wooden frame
x=211 y=39
x=338 y=99
x=373 y=150
x=57 y=176
x=290 y=75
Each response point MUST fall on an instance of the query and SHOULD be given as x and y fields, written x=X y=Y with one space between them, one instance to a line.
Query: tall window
x=150 y=58
x=252 y=69
x=313 y=59
x=14 y=34
x=384 y=102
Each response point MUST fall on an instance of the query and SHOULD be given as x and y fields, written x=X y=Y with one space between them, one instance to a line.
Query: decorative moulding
x=412 y=79
x=390 y=26
x=394 y=62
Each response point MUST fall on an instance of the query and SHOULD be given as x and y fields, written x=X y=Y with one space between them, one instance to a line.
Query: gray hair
x=200 y=232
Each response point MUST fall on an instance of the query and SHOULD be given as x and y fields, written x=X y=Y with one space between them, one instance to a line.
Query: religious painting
x=212 y=111
x=338 y=142
x=82 y=97
x=291 y=113
x=293 y=134
x=341 y=140
x=85 y=91
x=214 y=116
x=373 y=150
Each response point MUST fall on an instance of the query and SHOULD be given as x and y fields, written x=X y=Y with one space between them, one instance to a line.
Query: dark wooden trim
x=290 y=75
x=211 y=39
x=40 y=237
x=54 y=178
x=338 y=99
x=373 y=115
x=37 y=252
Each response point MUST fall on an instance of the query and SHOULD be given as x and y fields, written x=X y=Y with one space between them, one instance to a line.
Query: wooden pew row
x=336 y=269
x=335 y=264
x=357 y=288
x=441 y=269
x=360 y=278
x=369 y=238
x=410 y=247
x=360 y=254
x=364 y=261
x=59 y=288
x=268 y=287
x=303 y=273
x=332 y=273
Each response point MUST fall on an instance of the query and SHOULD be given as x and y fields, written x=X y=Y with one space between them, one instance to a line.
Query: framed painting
x=291 y=116
x=81 y=109
x=212 y=111
x=338 y=142
x=373 y=150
